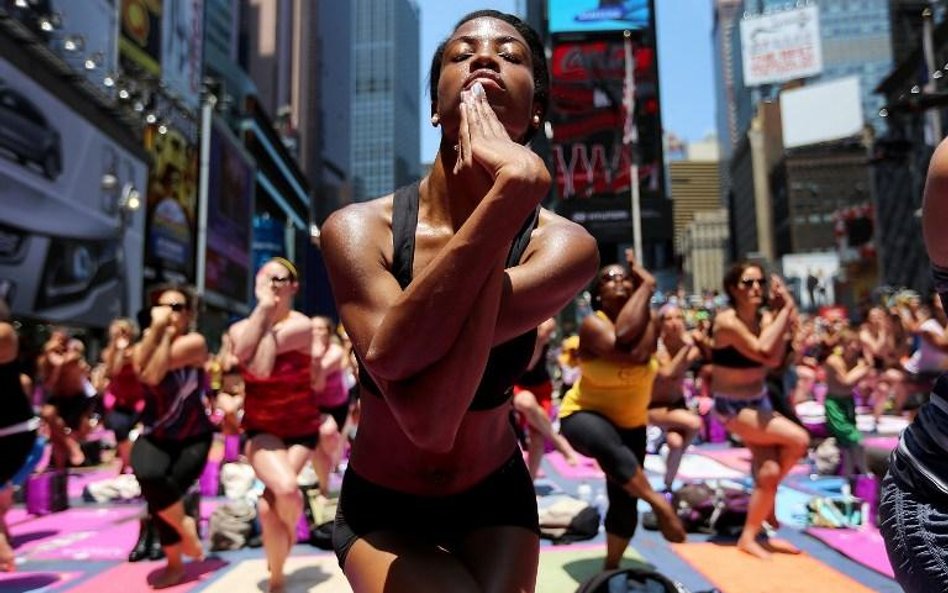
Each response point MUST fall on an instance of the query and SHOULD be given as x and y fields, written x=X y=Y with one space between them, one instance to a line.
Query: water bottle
x=601 y=502
x=585 y=492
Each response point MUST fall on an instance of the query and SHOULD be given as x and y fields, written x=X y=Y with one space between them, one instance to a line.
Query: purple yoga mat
x=863 y=545
x=62 y=527
x=112 y=543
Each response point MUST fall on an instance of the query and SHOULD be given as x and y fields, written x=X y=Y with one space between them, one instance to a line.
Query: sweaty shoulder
x=565 y=236
x=357 y=224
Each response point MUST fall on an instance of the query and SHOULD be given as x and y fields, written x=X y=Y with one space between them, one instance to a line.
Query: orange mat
x=733 y=571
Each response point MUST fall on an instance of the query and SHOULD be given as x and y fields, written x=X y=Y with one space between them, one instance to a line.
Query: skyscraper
x=385 y=138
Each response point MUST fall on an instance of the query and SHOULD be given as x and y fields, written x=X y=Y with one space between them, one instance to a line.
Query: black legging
x=165 y=471
x=620 y=453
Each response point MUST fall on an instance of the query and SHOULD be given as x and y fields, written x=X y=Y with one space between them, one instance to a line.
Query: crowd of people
x=451 y=366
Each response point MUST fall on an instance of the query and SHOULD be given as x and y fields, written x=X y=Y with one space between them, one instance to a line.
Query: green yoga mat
x=563 y=568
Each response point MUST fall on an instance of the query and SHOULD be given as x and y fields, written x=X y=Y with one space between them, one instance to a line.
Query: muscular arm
x=935 y=207
x=597 y=338
x=252 y=342
x=847 y=378
x=672 y=367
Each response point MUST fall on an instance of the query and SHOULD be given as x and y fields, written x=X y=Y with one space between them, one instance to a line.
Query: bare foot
x=780 y=546
x=191 y=543
x=169 y=577
x=276 y=587
x=668 y=522
x=750 y=546
x=571 y=459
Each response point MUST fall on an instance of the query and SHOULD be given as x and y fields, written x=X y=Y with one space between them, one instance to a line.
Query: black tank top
x=539 y=374
x=506 y=361
x=15 y=405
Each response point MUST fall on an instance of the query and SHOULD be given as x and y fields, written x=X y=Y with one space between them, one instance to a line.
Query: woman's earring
x=536 y=120
x=435 y=120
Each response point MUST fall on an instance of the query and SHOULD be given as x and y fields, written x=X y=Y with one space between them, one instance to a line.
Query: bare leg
x=526 y=403
x=7 y=559
x=681 y=427
x=173 y=573
x=615 y=548
x=668 y=522
x=282 y=504
x=186 y=527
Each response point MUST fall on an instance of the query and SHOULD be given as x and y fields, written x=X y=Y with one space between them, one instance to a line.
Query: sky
x=684 y=59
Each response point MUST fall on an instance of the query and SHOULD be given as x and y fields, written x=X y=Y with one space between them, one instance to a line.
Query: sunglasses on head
x=176 y=307
x=748 y=282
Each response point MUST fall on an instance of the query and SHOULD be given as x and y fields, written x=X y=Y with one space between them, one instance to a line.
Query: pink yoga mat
x=29 y=534
x=881 y=442
x=586 y=468
x=113 y=543
x=863 y=545
x=133 y=576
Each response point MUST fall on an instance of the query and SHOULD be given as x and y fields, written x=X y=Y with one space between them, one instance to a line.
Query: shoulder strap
x=522 y=239
x=404 y=223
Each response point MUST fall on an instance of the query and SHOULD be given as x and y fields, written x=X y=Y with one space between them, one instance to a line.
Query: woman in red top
x=124 y=395
x=273 y=346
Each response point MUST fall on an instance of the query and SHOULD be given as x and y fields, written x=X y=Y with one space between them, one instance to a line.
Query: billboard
x=821 y=112
x=572 y=16
x=140 y=40
x=69 y=251
x=182 y=50
x=230 y=191
x=781 y=46
x=811 y=278
x=592 y=158
x=92 y=26
x=171 y=205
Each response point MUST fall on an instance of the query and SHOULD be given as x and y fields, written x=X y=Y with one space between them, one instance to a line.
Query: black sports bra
x=506 y=361
x=732 y=358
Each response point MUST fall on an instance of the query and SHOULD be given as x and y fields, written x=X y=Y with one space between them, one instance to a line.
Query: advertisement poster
x=182 y=50
x=171 y=206
x=571 y=16
x=592 y=158
x=230 y=210
x=140 y=40
x=70 y=238
x=781 y=46
x=811 y=278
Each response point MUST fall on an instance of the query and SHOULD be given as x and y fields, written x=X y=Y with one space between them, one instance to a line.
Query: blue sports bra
x=506 y=361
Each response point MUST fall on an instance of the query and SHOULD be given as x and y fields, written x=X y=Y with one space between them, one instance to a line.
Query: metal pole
x=630 y=139
x=207 y=111
x=934 y=114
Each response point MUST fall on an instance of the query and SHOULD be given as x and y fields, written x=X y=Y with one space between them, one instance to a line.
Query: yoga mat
x=863 y=545
x=739 y=458
x=131 y=577
x=733 y=571
x=62 y=527
x=34 y=582
x=113 y=543
x=585 y=469
x=563 y=568
x=694 y=467
x=881 y=442
x=304 y=574
x=78 y=479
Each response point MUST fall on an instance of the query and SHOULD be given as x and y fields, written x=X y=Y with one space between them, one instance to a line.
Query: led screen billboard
x=574 y=16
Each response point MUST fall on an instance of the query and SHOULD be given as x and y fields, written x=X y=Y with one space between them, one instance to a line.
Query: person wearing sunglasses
x=169 y=455
x=748 y=340
x=273 y=349
x=605 y=414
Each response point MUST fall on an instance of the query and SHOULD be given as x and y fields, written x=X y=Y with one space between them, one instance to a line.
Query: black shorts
x=72 y=409
x=121 y=421
x=504 y=498
x=307 y=440
x=339 y=413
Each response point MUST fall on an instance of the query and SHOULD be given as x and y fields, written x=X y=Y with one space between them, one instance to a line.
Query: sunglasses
x=748 y=282
x=280 y=280
x=176 y=307
x=614 y=276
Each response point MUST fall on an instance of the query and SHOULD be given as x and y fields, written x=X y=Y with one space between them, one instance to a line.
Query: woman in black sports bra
x=746 y=342
x=440 y=287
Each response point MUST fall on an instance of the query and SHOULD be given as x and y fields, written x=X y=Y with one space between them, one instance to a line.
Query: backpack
x=718 y=510
x=631 y=580
x=231 y=525
x=565 y=519
x=320 y=516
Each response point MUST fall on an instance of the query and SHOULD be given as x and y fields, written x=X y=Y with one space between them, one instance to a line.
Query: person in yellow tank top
x=605 y=414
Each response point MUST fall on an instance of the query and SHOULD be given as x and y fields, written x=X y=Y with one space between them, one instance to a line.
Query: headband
x=286 y=264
